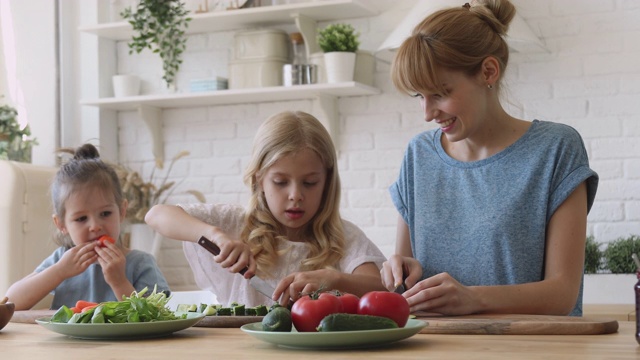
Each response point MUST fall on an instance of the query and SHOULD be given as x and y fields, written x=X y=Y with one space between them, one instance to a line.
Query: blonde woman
x=493 y=209
x=290 y=234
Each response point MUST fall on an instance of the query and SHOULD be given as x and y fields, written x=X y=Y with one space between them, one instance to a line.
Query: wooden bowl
x=6 y=312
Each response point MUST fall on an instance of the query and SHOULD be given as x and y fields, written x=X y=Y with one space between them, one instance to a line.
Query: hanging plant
x=160 y=25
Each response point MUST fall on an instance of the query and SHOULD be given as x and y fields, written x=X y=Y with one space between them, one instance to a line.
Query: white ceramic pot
x=339 y=66
x=126 y=85
x=144 y=238
x=609 y=289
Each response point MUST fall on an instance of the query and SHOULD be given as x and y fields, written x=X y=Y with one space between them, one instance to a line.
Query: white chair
x=26 y=226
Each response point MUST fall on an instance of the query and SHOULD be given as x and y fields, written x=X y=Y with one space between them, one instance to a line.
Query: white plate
x=124 y=331
x=336 y=339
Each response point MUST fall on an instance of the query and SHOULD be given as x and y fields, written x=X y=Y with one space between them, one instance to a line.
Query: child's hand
x=305 y=282
x=235 y=256
x=113 y=263
x=76 y=260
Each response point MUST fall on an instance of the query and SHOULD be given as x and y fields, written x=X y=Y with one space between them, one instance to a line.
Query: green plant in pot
x=15 y=142
x=592 y=256
x=618 y=255
x=339 y=42
x=159 y=25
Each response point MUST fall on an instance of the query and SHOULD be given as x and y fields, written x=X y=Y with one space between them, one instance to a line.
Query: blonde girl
x=290 y=234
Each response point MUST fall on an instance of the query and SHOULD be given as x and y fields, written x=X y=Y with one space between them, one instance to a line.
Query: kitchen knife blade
x=257 y=283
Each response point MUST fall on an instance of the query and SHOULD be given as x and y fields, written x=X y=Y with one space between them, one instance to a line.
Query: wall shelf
x=233 y=96
x=250 y=17
x=149 y=107
x=304 y=15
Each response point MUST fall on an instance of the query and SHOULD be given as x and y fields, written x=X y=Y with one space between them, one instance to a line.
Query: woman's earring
x=490 y=86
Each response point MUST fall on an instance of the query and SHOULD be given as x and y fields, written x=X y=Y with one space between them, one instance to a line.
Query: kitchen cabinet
x=305 y=16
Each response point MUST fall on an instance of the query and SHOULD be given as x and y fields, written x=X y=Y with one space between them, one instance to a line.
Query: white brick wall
x=589 y=79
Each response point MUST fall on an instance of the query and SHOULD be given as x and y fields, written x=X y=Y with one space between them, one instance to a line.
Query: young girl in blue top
x=88 y=203
x=493 y=209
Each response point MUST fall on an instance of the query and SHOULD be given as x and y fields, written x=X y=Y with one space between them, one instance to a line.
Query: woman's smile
x=447 y=125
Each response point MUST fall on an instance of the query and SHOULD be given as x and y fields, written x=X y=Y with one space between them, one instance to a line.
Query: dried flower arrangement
x=142 y=195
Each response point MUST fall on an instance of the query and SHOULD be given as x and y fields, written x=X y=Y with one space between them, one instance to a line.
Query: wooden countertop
x=31 y=341
x=620 y=312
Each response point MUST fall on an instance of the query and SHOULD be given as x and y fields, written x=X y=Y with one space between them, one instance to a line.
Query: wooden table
x=620 y=312
x=31 y=341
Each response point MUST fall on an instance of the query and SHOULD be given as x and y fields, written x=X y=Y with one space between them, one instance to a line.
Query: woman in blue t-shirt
x=493 y=209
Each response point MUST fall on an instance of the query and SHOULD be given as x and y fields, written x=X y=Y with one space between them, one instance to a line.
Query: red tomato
x=307 y=312
x=384 y=303
x=104 y=238
x=81 y=304
x=349 y=303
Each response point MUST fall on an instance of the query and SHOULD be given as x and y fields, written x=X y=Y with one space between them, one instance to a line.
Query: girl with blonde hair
x=290 y=234
x=493 y=209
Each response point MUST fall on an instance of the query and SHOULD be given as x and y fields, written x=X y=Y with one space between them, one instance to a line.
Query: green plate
x=337 y=339
x=123 y=331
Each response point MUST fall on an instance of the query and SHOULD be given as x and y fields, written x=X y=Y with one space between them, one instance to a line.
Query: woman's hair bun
x=496 y=13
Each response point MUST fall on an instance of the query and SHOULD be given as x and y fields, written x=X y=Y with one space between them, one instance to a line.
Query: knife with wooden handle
x=262 y=286
x=403 y=286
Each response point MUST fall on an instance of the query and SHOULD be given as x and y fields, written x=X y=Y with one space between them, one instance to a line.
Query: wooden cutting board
x=506 y=324
x=227 y=321
x=486 y=324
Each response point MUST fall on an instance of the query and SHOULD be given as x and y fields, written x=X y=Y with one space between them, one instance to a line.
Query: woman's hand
x=305 y=282
x=76 y=260
x=442 y=294
x=235 y=255
x=399 y=269
x=113 y=262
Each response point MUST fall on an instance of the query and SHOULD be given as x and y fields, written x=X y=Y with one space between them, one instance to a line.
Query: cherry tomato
x=104 y=238
x=349 y=302
x=308 y=311
x=384 y=303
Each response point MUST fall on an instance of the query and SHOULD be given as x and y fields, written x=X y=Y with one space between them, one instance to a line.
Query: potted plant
x=339 y=42
x=610 y=273
x=592 y=256
x=617 y=255
x=159 y=25
x=15 y=143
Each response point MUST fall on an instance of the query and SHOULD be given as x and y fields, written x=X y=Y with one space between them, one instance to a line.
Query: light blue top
x=141 y=270
x=484 y=222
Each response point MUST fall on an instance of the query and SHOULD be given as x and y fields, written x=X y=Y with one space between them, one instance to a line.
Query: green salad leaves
x=135 y=308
